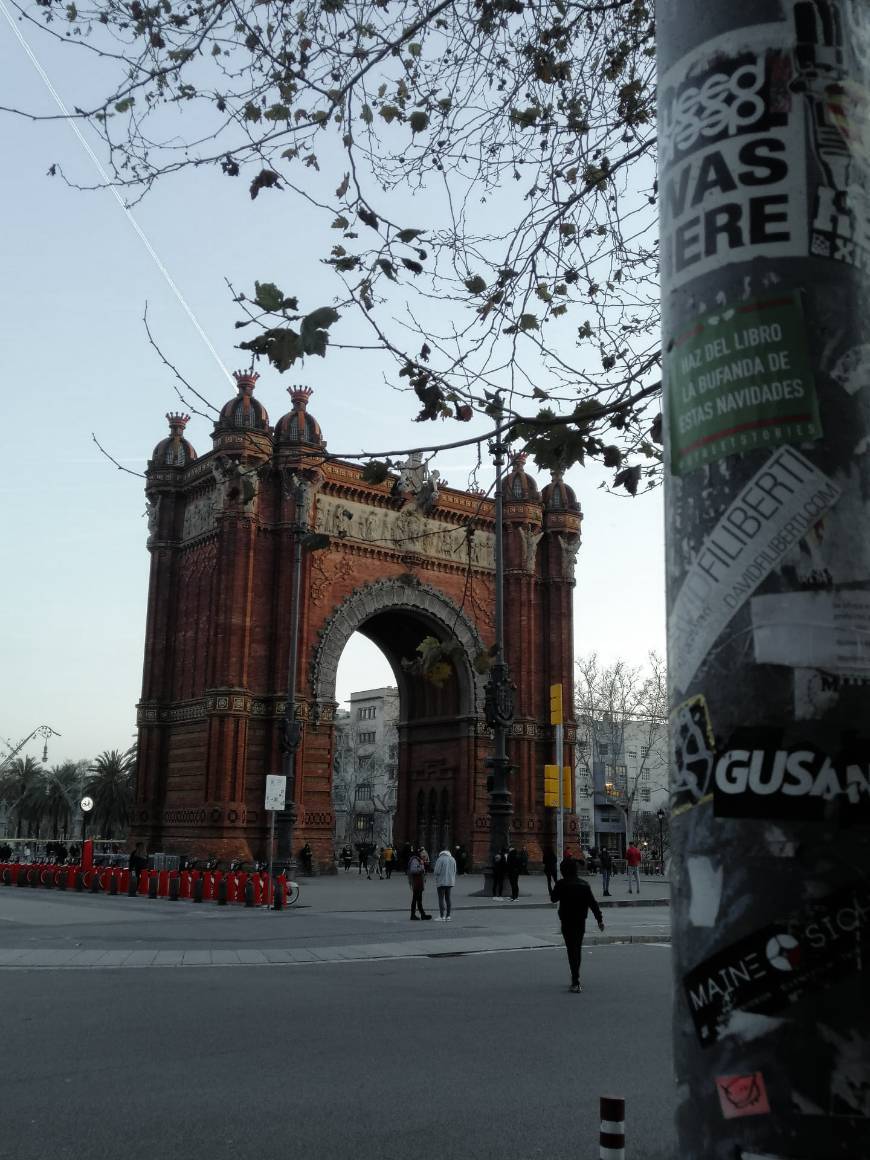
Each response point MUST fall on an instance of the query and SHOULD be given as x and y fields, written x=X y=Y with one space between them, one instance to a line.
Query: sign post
x=276 y=798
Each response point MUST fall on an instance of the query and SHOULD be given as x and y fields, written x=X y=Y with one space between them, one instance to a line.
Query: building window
x=644 y=750
x=644 y=793
x=603 y=750
x=367 y=738
x=632 y=754
x=367 y=713
x=646 y=775
x=363 y=792
x=364 y=762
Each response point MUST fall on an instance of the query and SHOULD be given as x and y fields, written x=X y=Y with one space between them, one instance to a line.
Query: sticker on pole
x=732 y=156
x=739 y=380
x=276 y=791
x=770 y=515
x=769 y=970
x=742 y=1095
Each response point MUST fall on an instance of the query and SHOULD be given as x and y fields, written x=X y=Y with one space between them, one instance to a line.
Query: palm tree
x=111 y=787
x=23 y=786
x=64 y=784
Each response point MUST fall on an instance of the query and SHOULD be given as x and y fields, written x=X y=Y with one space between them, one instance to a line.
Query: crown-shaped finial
x=177 y=420
x=246 y=380
x=519 y=460
x=299 y=396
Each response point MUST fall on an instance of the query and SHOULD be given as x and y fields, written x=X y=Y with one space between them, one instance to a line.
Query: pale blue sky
x=75 y=360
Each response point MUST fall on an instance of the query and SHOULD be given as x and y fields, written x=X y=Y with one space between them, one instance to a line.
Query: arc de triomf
x=405 y=559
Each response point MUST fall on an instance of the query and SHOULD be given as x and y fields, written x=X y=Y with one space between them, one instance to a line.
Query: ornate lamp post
x=301 y=491
x=499 y=699
x=660 y=814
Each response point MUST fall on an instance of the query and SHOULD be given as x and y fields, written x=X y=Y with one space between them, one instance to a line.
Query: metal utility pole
x=499 y=699
x=764 y=181
x=300 y=490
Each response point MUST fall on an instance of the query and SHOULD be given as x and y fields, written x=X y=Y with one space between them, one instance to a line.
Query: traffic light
x=556 y=705
x=551 y=787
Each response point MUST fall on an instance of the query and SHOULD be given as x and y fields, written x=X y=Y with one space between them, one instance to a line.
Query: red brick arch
x=401 y=561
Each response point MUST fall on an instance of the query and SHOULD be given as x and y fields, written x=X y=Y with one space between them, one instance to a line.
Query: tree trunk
x=765 y=247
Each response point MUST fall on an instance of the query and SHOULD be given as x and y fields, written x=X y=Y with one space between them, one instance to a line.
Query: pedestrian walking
x=445 y=880
x=606 y=871
x=417 y=882
x=550 y=864
x=346 y=857
x=632 y=866
x=378 y=861
x=363 y=852
x=389 y=859
x=575 y=900
x=499 y=869
x=513 y=864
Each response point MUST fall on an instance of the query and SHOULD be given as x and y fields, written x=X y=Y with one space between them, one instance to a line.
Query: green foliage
x=558 y=99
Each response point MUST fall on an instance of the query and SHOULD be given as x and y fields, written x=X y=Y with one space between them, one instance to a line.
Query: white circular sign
x=87 y=804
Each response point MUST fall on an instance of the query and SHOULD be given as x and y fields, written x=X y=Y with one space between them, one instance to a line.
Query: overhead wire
x=113 y=189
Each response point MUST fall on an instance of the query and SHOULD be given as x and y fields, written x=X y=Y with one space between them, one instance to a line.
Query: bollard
x=249 y=892
x=197 y=889
x=132 y=885
x=95 y=882
x=152 y=885
x=79 y=881
x=47 y=877
x=60 y=880
x=34 y=875
x=8 y=876
x=278 y=894
x=173 y=888
x=113 y=883
x=611 y=1139
x=222 y=892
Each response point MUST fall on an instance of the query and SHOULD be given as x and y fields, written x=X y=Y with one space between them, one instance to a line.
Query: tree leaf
x=418 y=122
x=342 y=189
x=475 y=284
x=408 y=235
x=267 y=296
x=366 y=114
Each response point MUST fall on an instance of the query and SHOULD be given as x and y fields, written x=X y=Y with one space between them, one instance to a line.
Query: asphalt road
x=449 y=1057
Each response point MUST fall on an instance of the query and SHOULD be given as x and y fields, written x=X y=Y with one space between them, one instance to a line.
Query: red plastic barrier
x=124 y=882
x=186 y=887
x=143 y=882
x=105 y=877
x=163 y=884
x=88 y=854
x=209 y=884
x=88 y=878
x=46 y=876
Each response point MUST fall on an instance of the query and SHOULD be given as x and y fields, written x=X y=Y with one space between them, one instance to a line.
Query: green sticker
x=739 y=380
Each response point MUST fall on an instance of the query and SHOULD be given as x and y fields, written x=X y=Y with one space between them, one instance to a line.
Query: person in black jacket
x=575 y=900
x=512 y=863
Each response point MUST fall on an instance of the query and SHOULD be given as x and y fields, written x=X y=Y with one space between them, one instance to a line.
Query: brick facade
x=400 y=565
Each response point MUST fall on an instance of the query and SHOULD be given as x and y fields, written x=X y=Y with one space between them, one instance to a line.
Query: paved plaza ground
x=337 y=1028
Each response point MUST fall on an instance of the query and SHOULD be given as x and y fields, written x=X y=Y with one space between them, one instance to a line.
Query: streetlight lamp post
x=300 y=491
x=291 y=726
x=499 y=701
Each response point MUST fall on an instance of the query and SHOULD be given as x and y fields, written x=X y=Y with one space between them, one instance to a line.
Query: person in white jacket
x=445 y=880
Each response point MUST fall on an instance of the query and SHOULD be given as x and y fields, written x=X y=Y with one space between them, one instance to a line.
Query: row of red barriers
x=192 y=885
